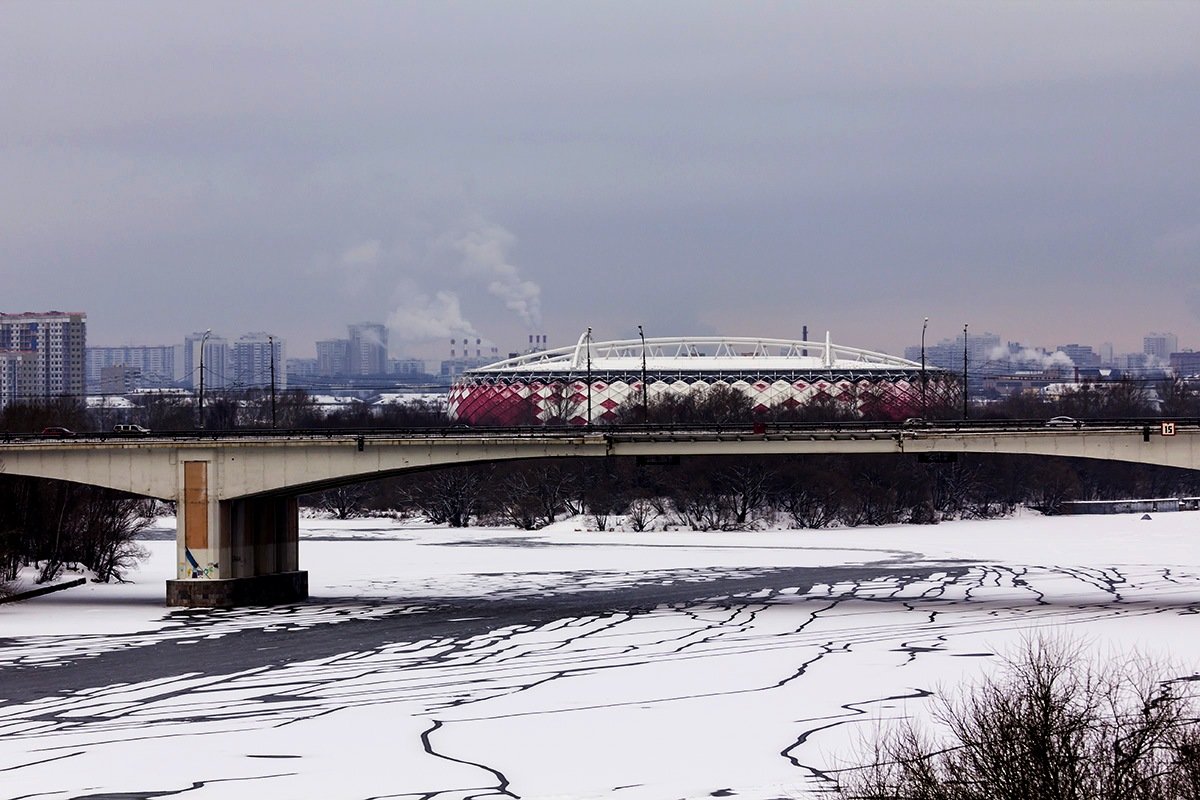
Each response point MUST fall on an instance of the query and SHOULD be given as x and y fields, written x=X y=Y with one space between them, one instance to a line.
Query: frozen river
x=497 y=663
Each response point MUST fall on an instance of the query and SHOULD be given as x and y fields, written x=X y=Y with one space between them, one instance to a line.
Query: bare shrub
x=449 y=496
x=1051 y=724
x=641 y=514
x=705 y=510
x=344 y=502
x=811 y=506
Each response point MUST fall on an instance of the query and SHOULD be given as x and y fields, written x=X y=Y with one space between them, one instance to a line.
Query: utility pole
x=271 y=342
x=964 y=370
x=645 y=403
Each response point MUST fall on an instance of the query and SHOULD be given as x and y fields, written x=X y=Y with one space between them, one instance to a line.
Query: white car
x=1063 y=422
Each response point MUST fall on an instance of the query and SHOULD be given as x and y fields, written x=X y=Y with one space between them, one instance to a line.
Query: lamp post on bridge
x=271 y=342
x=203 y=341
x=924 y=402
x=964 y=370
x=645 y=403
x=588 y=421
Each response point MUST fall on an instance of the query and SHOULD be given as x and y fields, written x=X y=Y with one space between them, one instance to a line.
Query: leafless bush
x=344 y=502
x=641 y=514
x=449 y=496
x=1052 y=724
x=706 y=510
x=811 y=506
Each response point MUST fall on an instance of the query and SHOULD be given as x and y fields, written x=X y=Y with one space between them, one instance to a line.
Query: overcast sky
x=1032 y=169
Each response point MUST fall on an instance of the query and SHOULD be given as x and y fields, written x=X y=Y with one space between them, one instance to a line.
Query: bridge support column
x=234 y=552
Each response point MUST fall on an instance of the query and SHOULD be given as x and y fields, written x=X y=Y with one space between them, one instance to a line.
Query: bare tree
x=111 y=525
x=561 y=404
x=344 y=502
x=811 y=506
x=1050 y=484
x=1052 y=724
x=449 y=496
x=747 y=485
x=165 y=412
x=641 y=514
x=706 y=509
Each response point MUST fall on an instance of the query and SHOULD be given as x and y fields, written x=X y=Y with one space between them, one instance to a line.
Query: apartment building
x=43 y=355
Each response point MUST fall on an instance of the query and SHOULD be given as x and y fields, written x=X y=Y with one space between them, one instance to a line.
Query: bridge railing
x=714 y=428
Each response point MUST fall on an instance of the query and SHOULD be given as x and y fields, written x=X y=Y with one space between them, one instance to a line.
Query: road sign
x=1168 y=429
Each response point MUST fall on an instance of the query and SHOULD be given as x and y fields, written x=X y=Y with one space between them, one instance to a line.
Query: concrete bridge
x=237 y=532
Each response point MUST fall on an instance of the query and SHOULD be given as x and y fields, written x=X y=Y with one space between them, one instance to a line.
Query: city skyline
x=696 y=169
x=1165 y=342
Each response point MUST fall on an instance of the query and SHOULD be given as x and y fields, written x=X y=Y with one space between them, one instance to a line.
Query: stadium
x=779 y=376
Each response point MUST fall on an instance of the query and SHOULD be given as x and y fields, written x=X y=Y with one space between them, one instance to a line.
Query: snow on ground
x=562 y=663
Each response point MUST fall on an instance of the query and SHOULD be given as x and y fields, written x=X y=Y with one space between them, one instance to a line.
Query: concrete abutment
x=234 y=552
x=261 y=590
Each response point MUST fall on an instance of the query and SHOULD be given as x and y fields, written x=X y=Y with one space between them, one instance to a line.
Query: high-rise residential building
x=218 y=366
x=18 y=371
x=1186 y=364
x=44 y=354
x=119 y=379
x=1081 y=355
x=1160 y=345
x=302 y=368
x=255 y=355
x=408 y=366
x=368 y=348
x=333 y=357
x=948 y=353
x=154 y=364
x=1131 y=361
x=365 y=352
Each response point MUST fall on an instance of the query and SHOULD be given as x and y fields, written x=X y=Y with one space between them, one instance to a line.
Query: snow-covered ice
x=562 y=663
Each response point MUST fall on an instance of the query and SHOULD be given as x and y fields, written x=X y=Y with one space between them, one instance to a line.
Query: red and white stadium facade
x=551 y=386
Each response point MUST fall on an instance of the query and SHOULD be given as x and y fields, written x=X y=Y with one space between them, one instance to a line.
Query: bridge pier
x=234 y=552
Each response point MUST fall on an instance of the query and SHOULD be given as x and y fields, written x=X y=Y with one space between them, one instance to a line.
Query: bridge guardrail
x=674 y=429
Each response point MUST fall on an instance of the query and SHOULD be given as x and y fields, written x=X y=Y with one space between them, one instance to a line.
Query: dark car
x=58 y=431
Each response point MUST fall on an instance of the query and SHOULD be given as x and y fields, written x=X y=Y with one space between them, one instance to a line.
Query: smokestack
x=804 y=336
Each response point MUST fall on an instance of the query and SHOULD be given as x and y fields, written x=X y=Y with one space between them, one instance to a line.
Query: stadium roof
x=699 y=353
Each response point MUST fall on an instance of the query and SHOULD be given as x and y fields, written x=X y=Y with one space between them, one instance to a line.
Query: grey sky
x=1029 y=168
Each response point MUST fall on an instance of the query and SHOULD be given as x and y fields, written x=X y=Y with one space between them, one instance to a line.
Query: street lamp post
x=924 y=401
x=645 y=403
x=203 y=341
x=271 y=342
x=964 y=370
x=589 y=376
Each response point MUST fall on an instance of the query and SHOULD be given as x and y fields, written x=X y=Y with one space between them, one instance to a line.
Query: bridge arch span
x=236 y=494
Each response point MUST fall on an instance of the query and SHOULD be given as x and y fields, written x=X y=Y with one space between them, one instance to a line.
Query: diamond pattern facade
x=521 y=398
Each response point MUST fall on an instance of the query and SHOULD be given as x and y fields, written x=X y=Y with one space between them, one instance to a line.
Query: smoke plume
x=484 y=251
x=423 y=318
x=1029 y=356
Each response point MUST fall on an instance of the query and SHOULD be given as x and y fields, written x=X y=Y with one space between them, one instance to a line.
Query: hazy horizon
x=697 y=168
